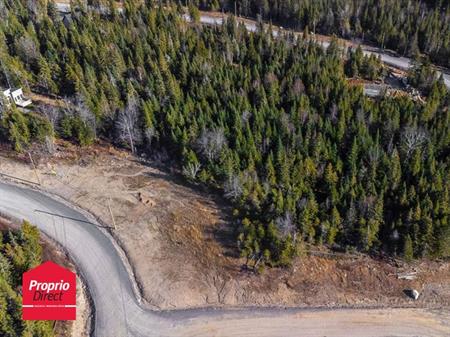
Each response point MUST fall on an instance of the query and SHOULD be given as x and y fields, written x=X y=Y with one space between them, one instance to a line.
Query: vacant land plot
x=180 y=242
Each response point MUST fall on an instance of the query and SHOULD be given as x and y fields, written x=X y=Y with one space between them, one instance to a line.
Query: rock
x=413 y=293
x=290 y=284
x=146 y=199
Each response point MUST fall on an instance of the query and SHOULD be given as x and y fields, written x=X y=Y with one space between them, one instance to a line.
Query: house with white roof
x=16 y=96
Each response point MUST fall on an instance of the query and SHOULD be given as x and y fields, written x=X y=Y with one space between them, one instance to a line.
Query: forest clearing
x=185 y=232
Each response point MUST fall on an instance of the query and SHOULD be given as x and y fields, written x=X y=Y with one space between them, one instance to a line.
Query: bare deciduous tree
x=374 y=154
x=127 y=124
x=298 y=87
x=33 y=7
x=287 y=123
x=334 y=113
x=246 y=116
x=27 y=49
x=191 y=170
x=413 y=138
x=3 y=106
x=78 y=107
x=149 y=134
x=86 y=115
x=211 y=143
x=233 y=187
x=3 y=12
x=49 y=145
x=286 y=226
x=52 y=113
x=361 y=116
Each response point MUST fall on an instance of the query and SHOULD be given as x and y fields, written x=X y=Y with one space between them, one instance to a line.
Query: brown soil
x=179 y=241
x=39 y=99
x=51 y=252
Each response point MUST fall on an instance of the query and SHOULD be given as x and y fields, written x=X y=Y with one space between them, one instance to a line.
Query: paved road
x=119 y=314
x=399 y=62
x=96 y=257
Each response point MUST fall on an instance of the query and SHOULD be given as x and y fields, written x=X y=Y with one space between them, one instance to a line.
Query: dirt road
x=395 y=322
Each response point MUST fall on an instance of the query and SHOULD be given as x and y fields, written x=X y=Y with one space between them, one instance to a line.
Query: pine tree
x=408 y=251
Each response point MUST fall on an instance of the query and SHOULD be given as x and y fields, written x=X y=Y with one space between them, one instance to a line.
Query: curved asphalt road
x=117 y=311
x=119 y=314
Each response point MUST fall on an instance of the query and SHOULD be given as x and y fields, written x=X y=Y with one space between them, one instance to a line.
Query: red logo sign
x=49 y=292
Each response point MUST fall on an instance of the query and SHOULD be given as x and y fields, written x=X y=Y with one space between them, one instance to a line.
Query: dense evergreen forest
x=303 y=156
x=19 y=252
x=408 y=27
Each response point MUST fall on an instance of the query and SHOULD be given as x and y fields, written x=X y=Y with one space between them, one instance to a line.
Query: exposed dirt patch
x=330 y=323
x=51 y=252
x=180 y=245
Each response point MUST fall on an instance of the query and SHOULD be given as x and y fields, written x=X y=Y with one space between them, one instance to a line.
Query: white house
x=6 y=96
x=16 y=96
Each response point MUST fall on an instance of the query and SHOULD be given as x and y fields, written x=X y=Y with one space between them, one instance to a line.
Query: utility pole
x=54 y=227
x=112 y=215
x=34 y=168
x=64 y=231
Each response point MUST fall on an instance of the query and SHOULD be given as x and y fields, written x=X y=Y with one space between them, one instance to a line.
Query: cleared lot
x=179 y=242
x=119 y=313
